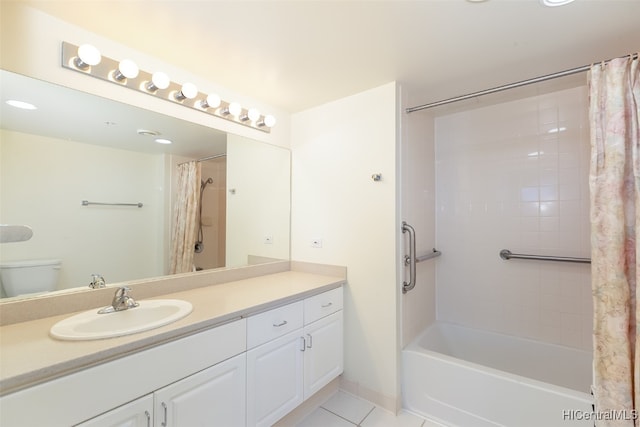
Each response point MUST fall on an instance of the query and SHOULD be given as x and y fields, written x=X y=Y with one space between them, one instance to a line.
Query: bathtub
x=472 y=378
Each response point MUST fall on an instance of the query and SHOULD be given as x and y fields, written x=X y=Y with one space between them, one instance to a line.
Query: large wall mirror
x=78 y=147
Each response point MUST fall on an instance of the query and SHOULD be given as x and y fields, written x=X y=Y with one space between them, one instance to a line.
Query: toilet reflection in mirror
x=29 y=277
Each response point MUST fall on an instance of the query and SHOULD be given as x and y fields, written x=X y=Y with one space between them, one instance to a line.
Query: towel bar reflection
x=87 y=203
x=506 y=255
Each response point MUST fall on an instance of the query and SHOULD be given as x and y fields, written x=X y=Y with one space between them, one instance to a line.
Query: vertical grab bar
x=411 y=258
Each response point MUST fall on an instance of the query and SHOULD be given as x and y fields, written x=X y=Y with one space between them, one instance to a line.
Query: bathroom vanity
x=251 y=351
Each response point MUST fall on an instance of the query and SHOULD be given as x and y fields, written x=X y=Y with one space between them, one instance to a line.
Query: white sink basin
x=150 y=314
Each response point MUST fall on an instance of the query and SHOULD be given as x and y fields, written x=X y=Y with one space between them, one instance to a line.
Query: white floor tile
x=381 y=418
x=323 y=418
x=348 y=406
x=429 y=423
x=346 y=410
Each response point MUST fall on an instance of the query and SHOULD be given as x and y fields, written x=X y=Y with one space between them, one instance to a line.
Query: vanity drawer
x=322 y=305
x=272 y=324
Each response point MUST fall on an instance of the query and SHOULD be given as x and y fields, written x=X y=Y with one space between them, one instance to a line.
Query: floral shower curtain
x=184 y=222
x=614 y=180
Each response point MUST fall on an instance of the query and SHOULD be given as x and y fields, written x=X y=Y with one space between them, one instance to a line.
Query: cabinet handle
x=304 y=346
x=164 y=410
x=310 y=344
x=284 y=322
x=329 y=304
x=148 y=415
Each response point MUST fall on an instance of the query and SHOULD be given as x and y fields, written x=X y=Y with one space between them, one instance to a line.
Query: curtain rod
x=205 y=158
x=211 y=157
x=508 y=86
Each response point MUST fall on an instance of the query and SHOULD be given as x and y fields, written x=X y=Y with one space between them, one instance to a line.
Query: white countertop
x=29 y=356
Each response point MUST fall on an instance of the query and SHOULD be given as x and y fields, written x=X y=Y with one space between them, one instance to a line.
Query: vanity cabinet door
x=212 y=397
x=323 y=356
x=274 y=379
x=138 y=413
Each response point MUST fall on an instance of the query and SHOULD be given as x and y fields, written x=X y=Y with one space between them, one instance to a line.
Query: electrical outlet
x=316 y=243
x=268 y=240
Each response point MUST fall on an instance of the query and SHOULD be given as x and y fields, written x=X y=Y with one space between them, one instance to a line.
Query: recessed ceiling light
x=163 y=141
x=553 y=3
x=148 y=132
x=21 y=104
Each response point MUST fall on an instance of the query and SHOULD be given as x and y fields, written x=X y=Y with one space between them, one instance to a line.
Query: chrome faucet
x=121 y=301
x=97 y=281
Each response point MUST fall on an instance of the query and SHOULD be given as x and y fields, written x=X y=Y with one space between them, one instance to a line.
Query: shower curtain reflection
x=184 y=219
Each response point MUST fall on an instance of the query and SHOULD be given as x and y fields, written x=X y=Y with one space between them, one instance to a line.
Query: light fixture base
x=105 y=71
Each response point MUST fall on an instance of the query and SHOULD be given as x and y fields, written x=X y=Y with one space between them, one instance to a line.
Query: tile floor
x=346 y=410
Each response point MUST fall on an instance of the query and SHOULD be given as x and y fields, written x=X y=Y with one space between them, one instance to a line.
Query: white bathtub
x=472 y=378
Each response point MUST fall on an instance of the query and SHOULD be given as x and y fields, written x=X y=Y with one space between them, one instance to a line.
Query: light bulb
x=235 y=109
x=159 y=80
x=269 y=121
x=88 y=55
x=253 y=114
x=127 y=69
x=212 y=101
x=188 y=91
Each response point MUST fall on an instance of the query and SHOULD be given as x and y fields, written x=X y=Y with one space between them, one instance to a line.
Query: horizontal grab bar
x=87 y=203
x=431 y=255
x=425 y=257
x=506 y=254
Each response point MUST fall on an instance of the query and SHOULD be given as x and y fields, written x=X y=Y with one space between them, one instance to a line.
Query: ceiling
x=73 y=115
x=297 y=54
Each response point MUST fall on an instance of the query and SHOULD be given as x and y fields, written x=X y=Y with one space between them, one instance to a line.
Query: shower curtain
x=614 y=180
x=184 y=223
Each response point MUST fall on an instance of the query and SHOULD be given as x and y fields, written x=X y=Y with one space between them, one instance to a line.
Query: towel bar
x=87 y=203
x=506 y=255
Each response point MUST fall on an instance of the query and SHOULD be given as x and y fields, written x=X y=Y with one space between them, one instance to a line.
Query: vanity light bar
x=159 y=85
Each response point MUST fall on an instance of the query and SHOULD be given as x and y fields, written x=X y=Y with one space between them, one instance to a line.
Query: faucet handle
x=122 y=291
x=122 y=300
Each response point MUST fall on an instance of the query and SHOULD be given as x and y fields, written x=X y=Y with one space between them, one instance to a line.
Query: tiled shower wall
x=515 y=176
x=214 y=213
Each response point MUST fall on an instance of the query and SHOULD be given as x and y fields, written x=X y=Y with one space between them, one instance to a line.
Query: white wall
x=47 y=195
x=336 y=148
x=506 y=180
x=258 y=200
